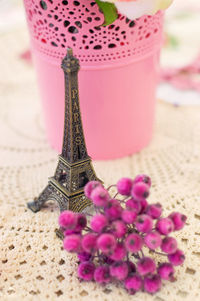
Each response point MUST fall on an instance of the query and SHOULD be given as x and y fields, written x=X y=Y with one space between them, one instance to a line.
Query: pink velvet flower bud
x=86 y=270
x=119 y=270
x=169 y=245
x=81 y=222
x=84 y=256
x=118 y=228
x=102 y=274
x=69 y=232
x=153 y=240
x=178 y=219
x=144 y=205
x=98 y=223
x=145 y=266
x=129 y=216
x=106 y=242
x=135 y=205
x=90 y=186
x=113 y=209
x=107 y=260
x=67 y=219
x=119 y=252
x=133 y=284
x=152 y=284
x=133 y=242
x=144 y=223
x=72 y=243
x=140 y=191
x=154 y=210
x=124 y=186
x=131 y=267
x=165 y=226
x=100 y=196
x=166 y=271
x=143 y=178
x=89 y=243
x=177 y=258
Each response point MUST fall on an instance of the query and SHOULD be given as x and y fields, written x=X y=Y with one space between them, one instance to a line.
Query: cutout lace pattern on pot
x=56 y=25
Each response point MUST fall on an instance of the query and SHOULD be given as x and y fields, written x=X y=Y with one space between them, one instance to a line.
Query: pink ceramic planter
x=118 y=77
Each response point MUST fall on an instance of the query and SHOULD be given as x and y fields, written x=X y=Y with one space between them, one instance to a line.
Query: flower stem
x=88 y=228
x=111 y=187
x=88 y=214
x=127 y=197
x=137 y=256
x=159 y=253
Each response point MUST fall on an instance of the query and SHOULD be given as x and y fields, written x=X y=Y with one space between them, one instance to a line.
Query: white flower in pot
x=133 y=9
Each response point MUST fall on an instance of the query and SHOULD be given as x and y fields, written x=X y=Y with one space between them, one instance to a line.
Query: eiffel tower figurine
x=74 y=168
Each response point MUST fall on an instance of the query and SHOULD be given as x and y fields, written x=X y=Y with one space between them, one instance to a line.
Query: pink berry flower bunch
x=117 y=242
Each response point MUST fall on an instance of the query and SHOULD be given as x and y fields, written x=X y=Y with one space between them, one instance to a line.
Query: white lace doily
x=33 y=265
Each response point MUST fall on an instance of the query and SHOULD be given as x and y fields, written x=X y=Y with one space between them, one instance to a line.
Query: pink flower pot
x=118 y=76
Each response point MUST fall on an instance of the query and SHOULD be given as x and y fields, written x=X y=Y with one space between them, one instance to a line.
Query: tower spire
x=73 y=130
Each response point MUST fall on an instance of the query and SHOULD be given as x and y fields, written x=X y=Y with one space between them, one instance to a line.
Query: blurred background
x=172 y=160
x=181 y=49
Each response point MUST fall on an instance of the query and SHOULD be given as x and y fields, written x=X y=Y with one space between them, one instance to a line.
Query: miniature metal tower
x=74 y=168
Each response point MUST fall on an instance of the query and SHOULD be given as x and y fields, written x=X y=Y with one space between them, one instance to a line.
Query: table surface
x=33 y=265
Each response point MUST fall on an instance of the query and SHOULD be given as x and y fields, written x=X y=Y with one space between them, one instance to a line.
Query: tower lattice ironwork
x=74 y=167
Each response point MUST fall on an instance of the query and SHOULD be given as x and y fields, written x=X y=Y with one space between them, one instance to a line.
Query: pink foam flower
x=169 y=245
x=69 y=232
x=178 y=219
x=131 y=267
x=102 y=274
x=133 y=204
x=90 y=186
x=129 y=216
x=119 y=270
x=84 y=256
x=107 y=259
x=133 y=242
x=140 y=191
x=144 y=205
x=166 y=271
x=146 y=266
x=133 y=284
x=154 y=210
x=81 y=222
x=152 y=284
x=124 y=186
x=165 y=226
x=153 y=240
x=72 y=243
x=89 y=243
x=113 y=209
x=86 y=270
x=142 y=178
x=110 y=247
x=144 y=223
x=67 y=219
x=106 y=243
x=176 y=258
x=100 y=196
x=119 y=252
x=119 y=229
x=98 y=223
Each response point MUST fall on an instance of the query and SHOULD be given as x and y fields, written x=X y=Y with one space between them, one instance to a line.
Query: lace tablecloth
x=33 y=265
